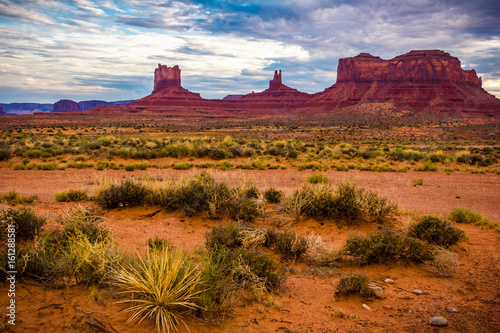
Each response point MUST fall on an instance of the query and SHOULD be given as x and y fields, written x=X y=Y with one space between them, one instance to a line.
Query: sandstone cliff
x=430 y=81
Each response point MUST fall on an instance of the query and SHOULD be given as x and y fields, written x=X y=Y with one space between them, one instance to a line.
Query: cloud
x=110 y=48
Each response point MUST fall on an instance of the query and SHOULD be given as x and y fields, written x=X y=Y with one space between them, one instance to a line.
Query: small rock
x=452 y=309
x=378 y=291
x=389 y=281
x=417 y=291
x=438 y=321
x=366 y=307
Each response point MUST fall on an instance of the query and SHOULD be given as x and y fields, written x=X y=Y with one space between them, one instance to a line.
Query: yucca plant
x=161 y=286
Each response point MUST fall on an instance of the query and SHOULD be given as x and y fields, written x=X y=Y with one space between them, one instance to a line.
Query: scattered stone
x=378 y=291
x=389 y=281
x=439 y=321
x=452 y=309
x=366 y=307
x=417 y=291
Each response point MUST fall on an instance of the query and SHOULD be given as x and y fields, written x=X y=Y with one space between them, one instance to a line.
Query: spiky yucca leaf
x=161 y=286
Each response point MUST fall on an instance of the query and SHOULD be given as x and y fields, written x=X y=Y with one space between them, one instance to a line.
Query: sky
x=108 y=49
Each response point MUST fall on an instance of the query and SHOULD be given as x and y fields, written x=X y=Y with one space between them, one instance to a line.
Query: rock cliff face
x=66 y=105
x=429 y=81
x=415 y=66
x=167 y=77
x=2 y=112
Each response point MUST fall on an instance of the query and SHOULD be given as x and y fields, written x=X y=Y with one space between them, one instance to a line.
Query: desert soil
x=305 y=302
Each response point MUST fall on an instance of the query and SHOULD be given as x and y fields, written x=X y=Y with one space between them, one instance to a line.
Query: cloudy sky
x=108 y=49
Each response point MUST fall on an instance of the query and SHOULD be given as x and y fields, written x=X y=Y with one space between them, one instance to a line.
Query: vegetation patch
x=386 y=246
x=436 y=231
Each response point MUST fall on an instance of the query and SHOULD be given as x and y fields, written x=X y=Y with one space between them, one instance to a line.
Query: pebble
x=378 y=291
x=452 y=309
x=417 y=291
x=439 y=321
x=366 y=307
x=389 y=281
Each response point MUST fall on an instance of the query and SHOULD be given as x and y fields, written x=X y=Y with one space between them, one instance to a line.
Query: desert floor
x=305 y=302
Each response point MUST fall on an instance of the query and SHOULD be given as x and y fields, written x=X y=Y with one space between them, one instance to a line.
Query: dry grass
x=252 y=238
x=444 y=264
x=319 y=253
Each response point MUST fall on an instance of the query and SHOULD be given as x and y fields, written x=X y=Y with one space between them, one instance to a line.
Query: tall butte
x=167 y=90
x=425 y=80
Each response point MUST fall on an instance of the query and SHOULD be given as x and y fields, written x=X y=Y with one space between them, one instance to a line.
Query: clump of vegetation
x=346 y=202
x=27 y=223
x=273 y=196
x=436 y=231
x=319 y=253
x=126 y=194
x=317 y=178
x=444 y=263
x=160 y=287
x=418 y=182
x=244 y=209
x=157 y=243
x=223 y=236
x=83 y=252
x=466 y=215
x=354 y=283
x=202 y=193
x=287 y=243
x=13 y=197
x=385 y=246
x=72 y=195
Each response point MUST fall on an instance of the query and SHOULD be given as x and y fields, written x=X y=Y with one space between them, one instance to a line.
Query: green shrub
x=129 y=167
x=385 y=246
x=224 y=236
x=244 y=209
x=183 y=166
x=354 y=283
x=27 y=224
x=220 y=291
x=288 y=244
x=257 y=269
x=273 y=196
x=435 y=231
x=126 y=194
x=466 y=215
x=86 y=221
x=13 y=197
x=71 y=195
x=427 y=166
x=417 y=182
x=5 y=154
x=317 y=178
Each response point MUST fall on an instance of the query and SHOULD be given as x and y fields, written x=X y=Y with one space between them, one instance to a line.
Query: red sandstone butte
x=167 y=90
x=431 y=81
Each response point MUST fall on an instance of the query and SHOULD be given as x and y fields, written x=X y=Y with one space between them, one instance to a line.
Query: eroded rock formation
x=66 y=105
x=430 y=81
x=418 y=81
x=415 y=66
x=167 y=77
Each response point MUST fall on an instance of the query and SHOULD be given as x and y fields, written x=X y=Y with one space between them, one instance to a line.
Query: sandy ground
x=304 y=303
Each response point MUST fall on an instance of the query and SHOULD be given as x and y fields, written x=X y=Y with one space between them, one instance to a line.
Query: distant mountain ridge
x=28 y=108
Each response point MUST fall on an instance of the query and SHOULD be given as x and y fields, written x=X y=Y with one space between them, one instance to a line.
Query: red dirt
x=304 y=303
